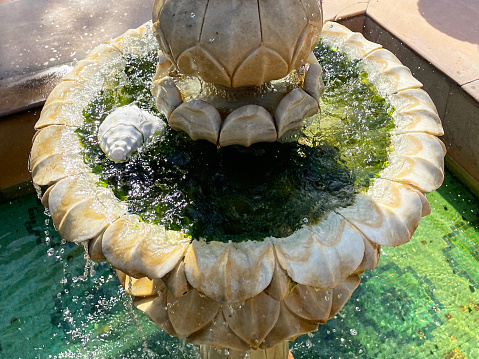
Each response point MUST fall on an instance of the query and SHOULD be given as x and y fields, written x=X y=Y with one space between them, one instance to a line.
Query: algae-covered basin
x=205 y=237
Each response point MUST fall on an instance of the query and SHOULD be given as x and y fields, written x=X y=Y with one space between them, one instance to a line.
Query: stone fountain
x=238 y=95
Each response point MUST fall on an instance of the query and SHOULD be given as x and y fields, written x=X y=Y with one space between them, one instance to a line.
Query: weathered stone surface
x=198 y=119
x=333 y=248
x=310 y=303
x=415 y=112
x=55 y=154
x=342 y=293
x=230 y=272
x=203 y=39
x=253 y=319
x=288 y=327
x=176 y=281
x=81 y=209
x=247 y=125
x=94 y=249
x=142 y=249
x=191 y=312
x=417 y=160
x=313 y=82
x=167 y=95
x=292 y=110
x=388 y=214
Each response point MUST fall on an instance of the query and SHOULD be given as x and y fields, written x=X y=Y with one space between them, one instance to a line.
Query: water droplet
x=353 y=332
x=192 y=15
x=50 y=252
x=211 y=39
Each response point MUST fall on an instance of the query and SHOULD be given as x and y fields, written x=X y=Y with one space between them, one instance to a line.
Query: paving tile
x=461 y=127
x=340 y=9
x=442 y=31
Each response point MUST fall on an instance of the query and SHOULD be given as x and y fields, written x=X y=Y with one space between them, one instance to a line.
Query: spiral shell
x=125 y=130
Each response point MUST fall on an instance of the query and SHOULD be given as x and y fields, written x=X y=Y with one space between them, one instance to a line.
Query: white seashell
x=125 y=130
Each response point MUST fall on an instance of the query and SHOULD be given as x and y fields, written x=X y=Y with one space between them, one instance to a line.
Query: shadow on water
x=449 y=17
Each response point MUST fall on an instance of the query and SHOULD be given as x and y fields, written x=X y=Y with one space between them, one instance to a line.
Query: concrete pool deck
x=41 y=39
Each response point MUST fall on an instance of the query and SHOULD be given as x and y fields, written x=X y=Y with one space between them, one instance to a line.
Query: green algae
x=237 y=193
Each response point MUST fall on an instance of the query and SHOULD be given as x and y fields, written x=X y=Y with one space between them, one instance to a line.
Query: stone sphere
x=237 y=43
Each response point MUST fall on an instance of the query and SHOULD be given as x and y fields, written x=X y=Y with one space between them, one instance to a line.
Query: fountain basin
x=385 y=214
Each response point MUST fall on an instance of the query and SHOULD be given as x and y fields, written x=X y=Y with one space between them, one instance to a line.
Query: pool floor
x=422 y=301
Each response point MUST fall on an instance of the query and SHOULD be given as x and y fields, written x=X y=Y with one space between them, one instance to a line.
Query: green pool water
x=422 y=301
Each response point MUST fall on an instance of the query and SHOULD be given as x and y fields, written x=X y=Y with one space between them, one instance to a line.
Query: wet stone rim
x=280 y=278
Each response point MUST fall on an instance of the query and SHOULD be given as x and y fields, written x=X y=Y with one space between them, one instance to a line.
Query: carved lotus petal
x=162 y=68
x=333 y=248
x=218 y=334
x=370 y=260
x=280 y=285
x=94 y=248
x=334 y=34
x=156 y=308
x=61 y=112
x=310 y=303
x=137 y=41
x=81 y=209
x=313 y=82
x=387 y=73
x=199 y=38
x=292 y=110
x=342 y=293
x=230 y=272
x=357 y=47
x=190 y=312
x=388 y=214
x=55 y=155
x=260 y=66
x=417 y=160
x=141 y=287
x=253 y=319
x=94 y=69
x=247 y=125
x=167 y=95
x=141 y=249
x=289 y=326
x=415 y=112
x=176 y=281
x=198 y=119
